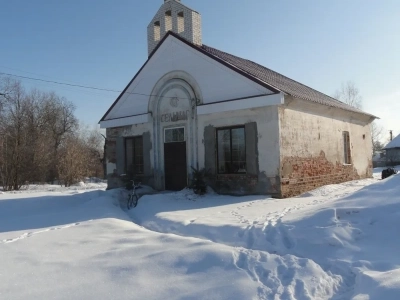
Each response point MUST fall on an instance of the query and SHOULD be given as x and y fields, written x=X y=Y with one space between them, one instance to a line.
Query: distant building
x=379 y=159
x=257 y=131
x=393 y=152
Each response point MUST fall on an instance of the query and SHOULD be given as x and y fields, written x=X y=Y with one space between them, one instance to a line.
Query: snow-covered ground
x=336 y=242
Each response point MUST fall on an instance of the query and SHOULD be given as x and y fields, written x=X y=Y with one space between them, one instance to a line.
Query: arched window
x=181 y=22
x=157 y=31
x=168 y=20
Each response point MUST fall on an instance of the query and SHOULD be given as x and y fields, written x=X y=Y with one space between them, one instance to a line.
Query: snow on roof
x=395 y=143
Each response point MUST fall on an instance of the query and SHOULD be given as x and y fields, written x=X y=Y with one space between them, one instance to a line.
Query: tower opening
x=168 y=20
x=174 y=16
x=157 y=31
x=181 y=22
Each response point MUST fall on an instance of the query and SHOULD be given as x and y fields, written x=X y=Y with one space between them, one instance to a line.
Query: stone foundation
x=234 y=184
x=299 y=174
x=244 y=184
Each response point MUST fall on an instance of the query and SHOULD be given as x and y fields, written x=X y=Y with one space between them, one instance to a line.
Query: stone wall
x=235 y=184
x=302 y=174
x=245 y=184
x=312 y=146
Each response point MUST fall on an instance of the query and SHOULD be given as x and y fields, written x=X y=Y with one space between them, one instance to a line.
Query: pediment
x=217 y=81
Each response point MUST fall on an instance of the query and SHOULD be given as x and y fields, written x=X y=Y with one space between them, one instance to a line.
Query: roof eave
x=136 y=75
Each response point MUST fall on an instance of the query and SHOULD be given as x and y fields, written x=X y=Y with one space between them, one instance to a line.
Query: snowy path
x=254 y=221
x=263 y=244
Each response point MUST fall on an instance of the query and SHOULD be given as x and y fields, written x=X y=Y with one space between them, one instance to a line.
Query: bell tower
x=178 y=18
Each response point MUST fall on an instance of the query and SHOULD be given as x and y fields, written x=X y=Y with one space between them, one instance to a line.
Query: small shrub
x=198 y=182
x=127 y=180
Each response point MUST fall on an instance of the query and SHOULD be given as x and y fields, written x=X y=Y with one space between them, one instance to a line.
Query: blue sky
x=102 y=43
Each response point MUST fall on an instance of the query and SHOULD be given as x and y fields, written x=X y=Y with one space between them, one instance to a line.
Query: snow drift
x=336 y=242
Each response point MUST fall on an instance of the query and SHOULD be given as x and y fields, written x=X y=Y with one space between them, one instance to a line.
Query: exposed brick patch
x=300 y=174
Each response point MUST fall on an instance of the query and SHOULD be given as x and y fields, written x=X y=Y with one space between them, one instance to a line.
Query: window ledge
x=347 y=164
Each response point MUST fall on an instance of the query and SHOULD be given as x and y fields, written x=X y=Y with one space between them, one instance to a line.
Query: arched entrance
x=173 y=109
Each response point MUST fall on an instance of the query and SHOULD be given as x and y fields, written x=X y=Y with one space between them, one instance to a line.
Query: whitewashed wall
x=130 y=131
x=216 y=82
x=268 y=133
x=306 y=129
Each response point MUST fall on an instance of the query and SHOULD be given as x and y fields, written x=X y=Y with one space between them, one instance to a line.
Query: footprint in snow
x=188 y=222
x=29 y=234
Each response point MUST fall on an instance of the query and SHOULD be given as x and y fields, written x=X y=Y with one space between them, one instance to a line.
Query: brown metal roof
x=278 y=81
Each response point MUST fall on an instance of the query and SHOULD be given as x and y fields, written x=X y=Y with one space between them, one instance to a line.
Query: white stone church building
x=255 y=130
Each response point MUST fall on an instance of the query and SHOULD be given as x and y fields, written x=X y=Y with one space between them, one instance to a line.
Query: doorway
x=175 y=165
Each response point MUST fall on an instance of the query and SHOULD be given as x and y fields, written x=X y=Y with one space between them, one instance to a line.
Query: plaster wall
x=215 y=81
x=267 y=143
x=112 y=153
x=312 y=146
x=173 y=106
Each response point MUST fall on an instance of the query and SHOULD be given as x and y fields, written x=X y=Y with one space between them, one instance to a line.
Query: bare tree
x=350 y=94
x=60 y=122
x=32 y=128
x=13 y=126
x=72 y=160
x=376 y=135
x=94 y=142
x=79 y=156
x=40 y=139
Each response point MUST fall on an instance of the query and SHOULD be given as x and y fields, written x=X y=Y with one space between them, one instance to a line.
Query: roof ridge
x=236 y=65
x=288 y=78
x=300 y=83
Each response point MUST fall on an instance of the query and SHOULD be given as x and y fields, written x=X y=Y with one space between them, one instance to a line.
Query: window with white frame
x=173 y=135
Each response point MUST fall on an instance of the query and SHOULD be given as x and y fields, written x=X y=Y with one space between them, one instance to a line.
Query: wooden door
x=175 y=167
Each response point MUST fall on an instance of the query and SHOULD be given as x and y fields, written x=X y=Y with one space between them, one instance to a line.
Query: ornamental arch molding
x=173 y=103
x=179 y=76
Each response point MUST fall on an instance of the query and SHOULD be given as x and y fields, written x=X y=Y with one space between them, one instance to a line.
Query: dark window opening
x=231 y=150
x=168 y=20
x=346 y=147
x=134 y=155
x=157 y=31
x=181 y=22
